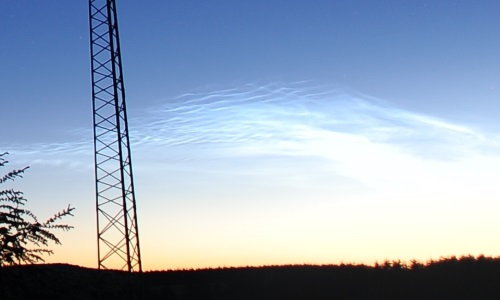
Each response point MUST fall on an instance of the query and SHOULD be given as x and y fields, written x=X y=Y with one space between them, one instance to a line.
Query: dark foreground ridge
x=449 y=278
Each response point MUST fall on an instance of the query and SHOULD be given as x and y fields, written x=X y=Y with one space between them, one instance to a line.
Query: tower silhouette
x=117 y=230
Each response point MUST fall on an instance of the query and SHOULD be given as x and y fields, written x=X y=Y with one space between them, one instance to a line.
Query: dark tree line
x=466 y=277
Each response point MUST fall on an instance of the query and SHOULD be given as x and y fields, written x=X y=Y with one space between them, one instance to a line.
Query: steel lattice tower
x=117 y=231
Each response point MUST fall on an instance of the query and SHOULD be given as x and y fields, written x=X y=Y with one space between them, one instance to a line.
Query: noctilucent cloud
x=268 y=132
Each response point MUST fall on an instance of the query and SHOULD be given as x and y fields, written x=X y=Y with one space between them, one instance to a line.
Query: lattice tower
x=117 y=230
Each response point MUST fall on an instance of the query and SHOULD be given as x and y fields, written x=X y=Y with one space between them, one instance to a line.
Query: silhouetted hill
x=449 y=278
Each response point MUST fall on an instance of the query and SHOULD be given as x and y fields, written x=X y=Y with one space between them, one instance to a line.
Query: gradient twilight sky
x=268 y=132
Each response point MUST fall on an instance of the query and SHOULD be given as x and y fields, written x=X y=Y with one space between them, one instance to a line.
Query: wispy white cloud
x=72 y=153
x=275 y=119
x=272 y=127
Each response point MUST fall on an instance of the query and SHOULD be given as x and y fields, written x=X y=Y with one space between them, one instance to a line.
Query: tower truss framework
x=117 y=230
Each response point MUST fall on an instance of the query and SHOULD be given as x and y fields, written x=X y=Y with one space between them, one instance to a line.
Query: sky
x=268 y=132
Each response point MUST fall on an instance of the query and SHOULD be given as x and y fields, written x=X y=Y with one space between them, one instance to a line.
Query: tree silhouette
x=23 y=239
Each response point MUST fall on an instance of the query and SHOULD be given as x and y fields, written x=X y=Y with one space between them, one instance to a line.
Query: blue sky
x=269 y=132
